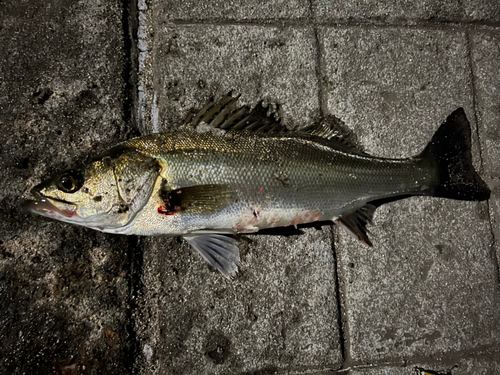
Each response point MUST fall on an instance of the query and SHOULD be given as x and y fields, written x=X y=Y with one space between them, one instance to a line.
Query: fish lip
x=44 y=206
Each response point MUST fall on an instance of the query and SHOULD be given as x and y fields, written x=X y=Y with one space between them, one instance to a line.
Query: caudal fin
x=450 y=150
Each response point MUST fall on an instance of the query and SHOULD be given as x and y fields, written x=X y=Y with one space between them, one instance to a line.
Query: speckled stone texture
x=425 y=298
x=65 y=294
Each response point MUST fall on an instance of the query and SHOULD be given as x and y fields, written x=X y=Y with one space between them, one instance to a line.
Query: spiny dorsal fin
x=355 y=222
x=335 y=134
x=227 y=115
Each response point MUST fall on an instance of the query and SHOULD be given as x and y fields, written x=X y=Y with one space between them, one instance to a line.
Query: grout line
x=339 y=23
x=323 y=110
x=134 y=253
x=129 y=74
x=343 y=325
x=470 y=45
x=444 y=358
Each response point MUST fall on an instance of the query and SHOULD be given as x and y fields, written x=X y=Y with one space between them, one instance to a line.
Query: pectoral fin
x=355 y=222
x=220 y=251
x=199 y=199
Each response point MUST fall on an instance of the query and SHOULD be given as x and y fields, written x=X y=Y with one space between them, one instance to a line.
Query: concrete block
x=430 y=284
x=480 y=363
x=64 y=290
x=486 y=68
x=279 y=313
x=281 y=310
x=187 y=64
x=404 y=12
x=231 y=10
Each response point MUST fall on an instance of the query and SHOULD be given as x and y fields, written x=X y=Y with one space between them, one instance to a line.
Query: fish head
x=105 y=194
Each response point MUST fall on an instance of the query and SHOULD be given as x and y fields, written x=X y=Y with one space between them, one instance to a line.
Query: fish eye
x=70 y=181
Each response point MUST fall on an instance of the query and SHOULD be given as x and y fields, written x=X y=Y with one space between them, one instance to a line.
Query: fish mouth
x=50 y=207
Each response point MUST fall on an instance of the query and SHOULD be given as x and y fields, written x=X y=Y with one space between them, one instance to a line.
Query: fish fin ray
x=227 y=115
x=198 y=199
x=220 y=251
x=355 y=222
x=450 y=151
x=332 y=132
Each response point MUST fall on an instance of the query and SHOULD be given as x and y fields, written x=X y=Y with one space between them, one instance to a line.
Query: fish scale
x=279 y=178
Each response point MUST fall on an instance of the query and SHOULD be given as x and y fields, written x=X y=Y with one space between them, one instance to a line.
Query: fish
x=232 y=170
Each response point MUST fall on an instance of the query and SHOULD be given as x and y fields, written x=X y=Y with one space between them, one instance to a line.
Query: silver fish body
x=275 y=180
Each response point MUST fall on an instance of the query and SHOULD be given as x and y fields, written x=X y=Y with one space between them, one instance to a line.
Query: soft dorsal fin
x=227 y=115
x=332 y=132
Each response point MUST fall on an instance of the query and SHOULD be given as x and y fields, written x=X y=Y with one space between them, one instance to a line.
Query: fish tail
x=450 y=151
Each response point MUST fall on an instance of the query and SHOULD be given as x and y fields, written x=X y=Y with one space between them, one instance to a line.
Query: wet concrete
x=77 y=78
x=65 y=292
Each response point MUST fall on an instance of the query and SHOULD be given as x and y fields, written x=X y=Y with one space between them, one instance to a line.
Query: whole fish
x=233 y=170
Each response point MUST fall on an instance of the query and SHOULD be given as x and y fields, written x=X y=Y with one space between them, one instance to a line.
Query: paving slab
x=278 y=313
x=64 y=290
x=481 y=363
x=187 y=64
x=241 y=10
x=281 y=311
x=486 y=67
x=429 y=284
x=407 y=12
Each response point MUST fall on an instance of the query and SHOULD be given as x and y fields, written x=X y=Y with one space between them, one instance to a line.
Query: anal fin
x=355 y=222
x=220 y=251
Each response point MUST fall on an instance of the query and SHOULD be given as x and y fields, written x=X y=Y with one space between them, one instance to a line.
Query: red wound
x=171 y=202
x=163 y=211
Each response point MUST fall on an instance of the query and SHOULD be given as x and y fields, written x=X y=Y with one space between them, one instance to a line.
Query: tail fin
x=450 y=150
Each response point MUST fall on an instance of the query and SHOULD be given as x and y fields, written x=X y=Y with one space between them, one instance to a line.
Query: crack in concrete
x=134 y=260
x=129 y=74
x=343 y=325
x=304 y=22
x=491 y=211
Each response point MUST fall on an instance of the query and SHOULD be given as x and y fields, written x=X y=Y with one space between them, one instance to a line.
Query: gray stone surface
x=486 y=67
x=394 y=87
x=76 y=301
x=407 y=12
x=429 y=284
x=279 y=313
x=479 y=363
x=232 y=10
x=64 y=291
x=187 y=64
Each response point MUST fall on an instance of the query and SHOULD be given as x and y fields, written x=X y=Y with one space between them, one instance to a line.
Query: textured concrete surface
x=233 y=10
x=486 y=68
x=425 y=297
x=484 y=363
x=64 y=291
x=280 y=312
x=407 y=12
x=189 y=63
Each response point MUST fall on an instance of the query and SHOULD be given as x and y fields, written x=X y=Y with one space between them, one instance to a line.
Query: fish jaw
x=50 y=208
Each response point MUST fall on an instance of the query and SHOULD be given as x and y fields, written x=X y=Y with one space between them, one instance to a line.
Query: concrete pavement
x=77 y=78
